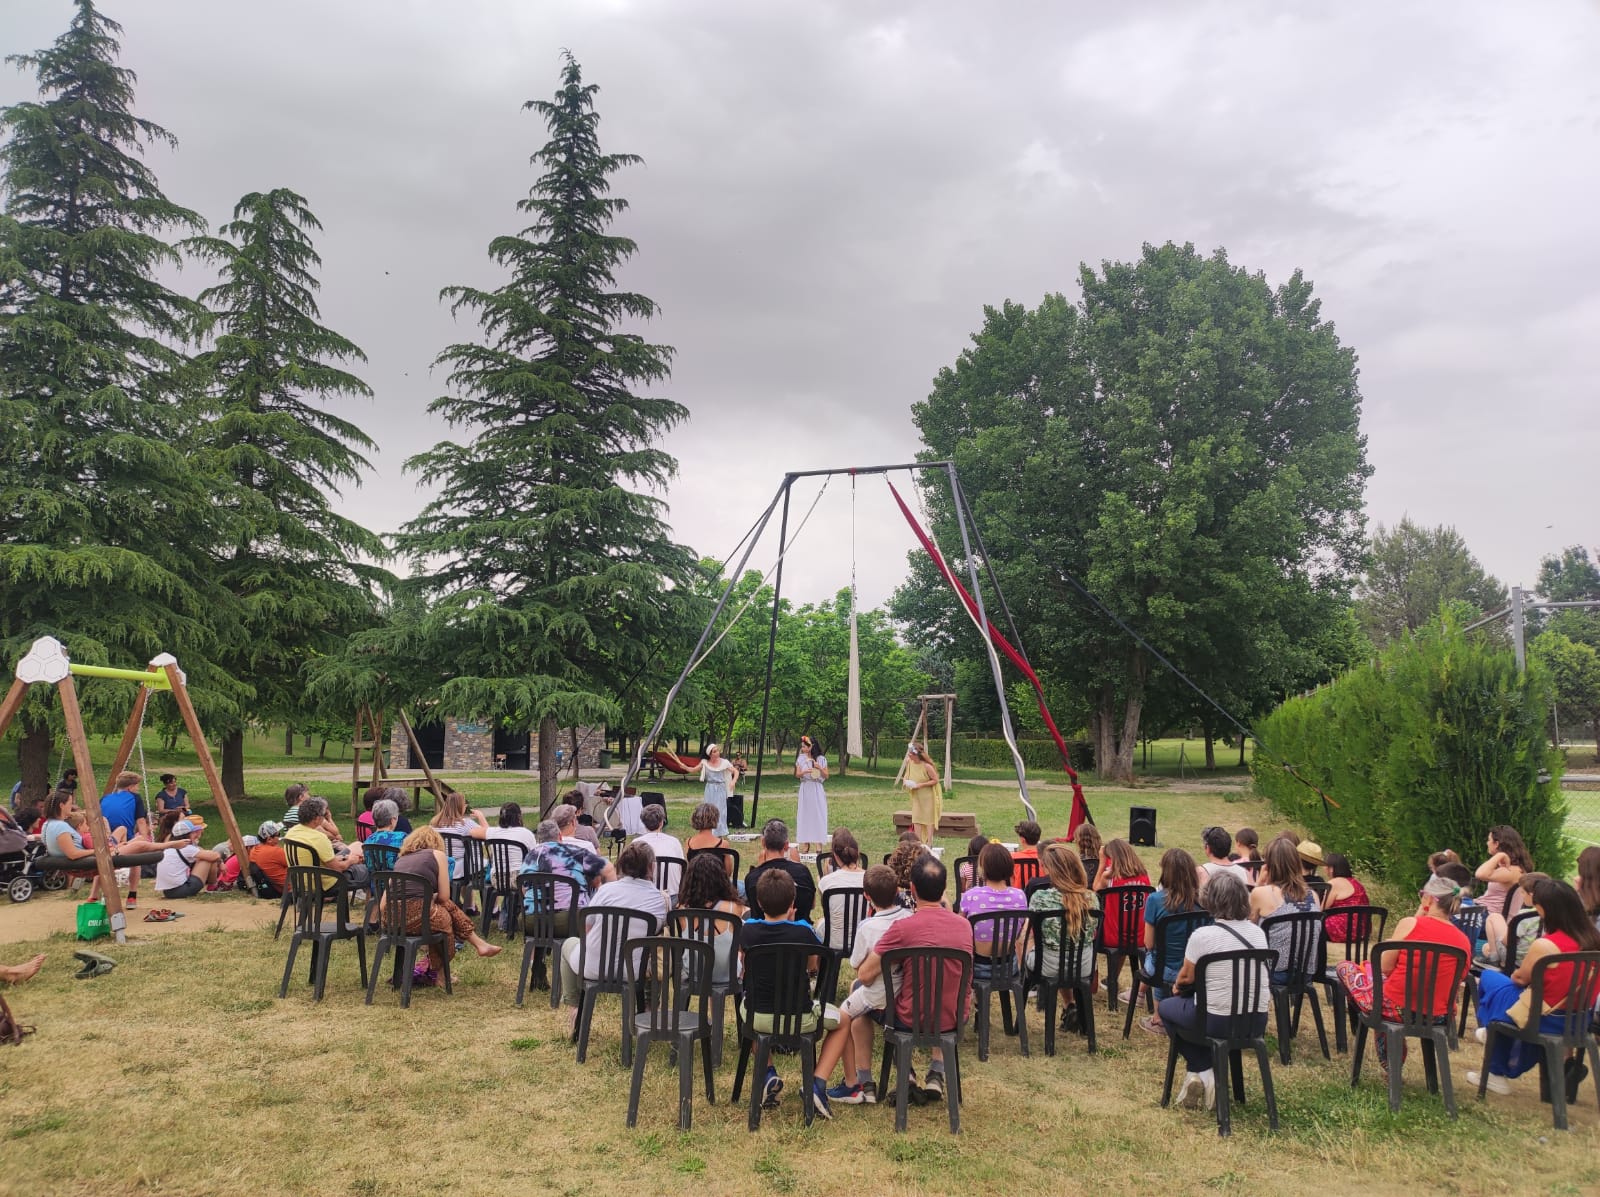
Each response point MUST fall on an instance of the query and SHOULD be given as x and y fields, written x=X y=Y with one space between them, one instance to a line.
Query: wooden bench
x=417 y=783
x=952 y=824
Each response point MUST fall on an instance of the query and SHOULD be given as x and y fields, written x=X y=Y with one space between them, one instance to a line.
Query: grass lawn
x=181 y=1072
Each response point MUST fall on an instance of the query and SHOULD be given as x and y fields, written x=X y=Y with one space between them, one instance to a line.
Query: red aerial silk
x=1080 y=807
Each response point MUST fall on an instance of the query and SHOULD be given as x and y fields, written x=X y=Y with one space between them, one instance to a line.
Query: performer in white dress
x=719 y=776
x=811 y=826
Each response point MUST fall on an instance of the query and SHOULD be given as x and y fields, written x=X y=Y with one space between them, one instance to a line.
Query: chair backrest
x=727 y=854
x=544 y=897
x=306 y=889
x=1513 y=938
x=1170 y=925
x=678 y=970
x=1577 y=1008
x=1002 y=929
x=1359 y=926
x=1025 y=869
x=1248 y=969
x=1037 y=884
x=300 y=855
x=927 y=975
x=669 y=873
x=505 y=860
x=1319 y=887
x=793 y=1016
x=395 y=893
x=1471 y=920
x=1253 y=867
x=843 y=908
x=467 y=852
x=1122 y=907
x=1071 y=956
x=825 y=863
x=618 y=924
x=1296 y=943
x=1428 y=966
x=691 y=922
x=965 y=871
x=380 y=857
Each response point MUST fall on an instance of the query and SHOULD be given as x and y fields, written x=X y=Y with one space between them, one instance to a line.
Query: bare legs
x=18 y=973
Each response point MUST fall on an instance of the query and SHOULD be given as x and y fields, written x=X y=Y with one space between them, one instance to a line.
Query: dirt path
x=46 y=914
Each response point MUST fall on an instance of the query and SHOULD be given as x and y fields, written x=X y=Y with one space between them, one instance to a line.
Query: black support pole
x=772 y=646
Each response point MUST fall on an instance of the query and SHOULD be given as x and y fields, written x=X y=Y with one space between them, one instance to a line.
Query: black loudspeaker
x=1142 y=826
x=735 y=810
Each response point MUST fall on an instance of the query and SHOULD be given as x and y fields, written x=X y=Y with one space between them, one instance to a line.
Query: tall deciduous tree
x=300 y=574
x=1574 y=671
x=1412 y=571
x=1571 y=577
x=547 y=569
x=1185 y=442
x=103 y=519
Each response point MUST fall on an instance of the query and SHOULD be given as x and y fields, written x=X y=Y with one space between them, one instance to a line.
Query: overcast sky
x=832 y=192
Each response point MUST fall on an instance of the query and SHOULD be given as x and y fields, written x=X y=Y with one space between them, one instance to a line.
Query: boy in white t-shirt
x=852 y=1040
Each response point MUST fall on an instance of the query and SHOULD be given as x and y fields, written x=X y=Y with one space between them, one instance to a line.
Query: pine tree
x=101 y=517
x=295 y=566
x=548 y=573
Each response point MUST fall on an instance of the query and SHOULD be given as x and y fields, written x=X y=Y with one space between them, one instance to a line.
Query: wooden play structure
x=369 y=737
x=921 y=731
x=47 y=663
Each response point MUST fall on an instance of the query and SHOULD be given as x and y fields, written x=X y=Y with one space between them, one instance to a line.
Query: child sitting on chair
x=775 y=896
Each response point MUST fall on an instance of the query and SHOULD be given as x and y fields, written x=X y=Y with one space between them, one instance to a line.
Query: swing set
x=972 y=601
x=47 y=663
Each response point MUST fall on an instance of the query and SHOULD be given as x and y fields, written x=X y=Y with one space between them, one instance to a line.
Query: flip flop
x=94 y=964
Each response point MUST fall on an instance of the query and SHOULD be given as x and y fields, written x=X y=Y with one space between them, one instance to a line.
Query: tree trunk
x=1105 y=743
x=575 y=773
x=547 y=764
x=1241 y=751
x=233 y=764
x=1211 y=750
x=33 y=756
x=322 y=752
x=1133 y=707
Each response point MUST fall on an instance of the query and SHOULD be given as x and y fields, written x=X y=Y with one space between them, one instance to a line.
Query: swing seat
x=65 y=864
x=953 y=823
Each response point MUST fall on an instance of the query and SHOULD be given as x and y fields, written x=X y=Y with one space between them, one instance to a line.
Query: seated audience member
x=1090 y=847
x=232 y=866
x=1567 y=927
x=1068 y=892
x=707 y=886
x=1215 y=842
x=168 y=821
x=1589 y=881
x=125 y=811
x=1228 y=900
x=1430 y=924
x=185 y=866
x=776 y=897
x=580 y=828
x=995 y=893
x=778 y=855
x=1028 y=835
x=1442 y=858
x=565 y=817
x=292 y=797
x=28 y=818
x=1120 y=866
x=509 y=827
x=316 y=830
x=552 y=854
x=1246 y=844
x=905 y=854
x=1343 y=890
x=634 y=889
x=965 y=877
x=171 y=796
x=704 y=821
x=422 y=855
x=62 y=837
x=1281 y=889
x=846 y=874
x=453 y=816
x=851 y=1041
x=1508 y=861
x=662 y=845
x=1179 y=894
x=268 y=859
x=1310 y=859
x=1458 y=873
x=386 y=831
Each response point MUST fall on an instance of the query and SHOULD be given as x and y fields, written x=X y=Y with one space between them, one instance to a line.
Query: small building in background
x=465 y=746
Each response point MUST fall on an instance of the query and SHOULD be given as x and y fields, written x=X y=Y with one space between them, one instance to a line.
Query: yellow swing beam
x=156 y=681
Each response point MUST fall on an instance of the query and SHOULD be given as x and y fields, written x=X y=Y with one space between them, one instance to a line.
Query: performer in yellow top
x=922 y=779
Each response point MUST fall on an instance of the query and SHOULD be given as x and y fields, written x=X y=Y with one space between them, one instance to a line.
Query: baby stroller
x=22 y=871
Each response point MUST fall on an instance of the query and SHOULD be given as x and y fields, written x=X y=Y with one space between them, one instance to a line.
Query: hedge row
x=1426 y=748
x=1038 y=755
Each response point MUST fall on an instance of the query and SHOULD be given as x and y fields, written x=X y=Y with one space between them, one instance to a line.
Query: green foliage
x=1184 y=441
x=1412 y=572
x=1570 y=577
x=1427 y=748
x=981 y=753
x=1574 y=671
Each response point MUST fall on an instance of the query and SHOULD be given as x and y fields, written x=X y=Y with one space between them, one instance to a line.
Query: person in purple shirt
x=994 y=893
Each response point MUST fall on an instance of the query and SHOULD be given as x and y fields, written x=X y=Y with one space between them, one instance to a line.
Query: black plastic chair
x=1321 y=888
x=400 y=894
x=1428 y=966
x=310 y=900
x=1037 y=884
x=705 y=926
x=1070 y=957
x=1253 y=867
x=797 y=1018
x=1166 y=926
x=1245 y=1029
x=500 y=885
x=727 y=854
x=925 y=974
x=1362 y=925
x=669 y=876
x=297 y=855
x=825 y=864
x=1024 y=869
x=1302 y=959
x=546 y=923
x=675 y=975
x=1469 y=995
x=1574 y=1034
x=963 y=884
x=618 y=924
x=1122 y=907
x=467 y=852
x=379 y=858
x=843 y=908
x=1006 y=977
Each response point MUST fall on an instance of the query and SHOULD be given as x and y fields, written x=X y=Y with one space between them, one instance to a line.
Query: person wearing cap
x=232 y=866
x=1310 y=858
x=721 y=777
x=269 y=867
x=185 y=866
x=1437 y=901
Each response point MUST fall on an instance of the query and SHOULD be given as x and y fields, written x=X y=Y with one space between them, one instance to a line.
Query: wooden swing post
x=13 y=703
x=208 y=766
x=79 y=739
x=416 y=751
x=130 y=739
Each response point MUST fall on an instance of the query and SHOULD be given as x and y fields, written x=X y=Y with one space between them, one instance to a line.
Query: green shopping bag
x=92 y=921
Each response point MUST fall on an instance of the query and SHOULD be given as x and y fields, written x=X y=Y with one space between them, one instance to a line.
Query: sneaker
x=771 y=1090
x=1126 y=995
x=1152 y=1024
x=1208 y=1081
x=1497 y=1084
x=1481 y=1034
x=915 y=1094
x=132 y=903
x=819 y=1099
x=933 y=1088
x=847 y=1095
x=869 y=1093
x=1193 y=1092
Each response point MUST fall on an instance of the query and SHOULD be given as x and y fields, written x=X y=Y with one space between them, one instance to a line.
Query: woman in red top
x=1431 y=924
x=1566 y=928
x=1120 y=867
x=1343 y=890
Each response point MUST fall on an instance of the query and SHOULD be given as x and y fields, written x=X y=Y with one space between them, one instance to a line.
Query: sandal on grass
x=160 y=915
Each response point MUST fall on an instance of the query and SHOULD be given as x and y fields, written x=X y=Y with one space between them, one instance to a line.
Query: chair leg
x=1341 y=1031
x=902 y=1083
x=952 y=1088
x=1558 y=1084
x=1483 y=1069
x=585 y=1017
x=283 y=914
x=554 y=965
x=1445 y=1083
x=1430 y=1067
x=706 y=1060
x=808 y=1074
x=1280 y=1012
x=719 y=1006
x=378 y=950
x=1592 y=1050
x=1086 y=1014
x=288 y=969
x=1133 y=1004
x=1395 y=1042
x=627 y=1025
x=1265 y=1061
x=685 y=1081
x=361 y=952
x=636 y=1084
x=448 y=988
x=528 y=950
x=1008 y=1023
x=1316 y=1018
x=1357 y=1051
x=738 y=1076
x=1047 y=1007
x=1172 y=1066
x=758 y=1082
x=1021 y=1022
x=1224 y=1111
x=408 y=972
x=980 y=1018
x=320 y=969
x=1236 y=1074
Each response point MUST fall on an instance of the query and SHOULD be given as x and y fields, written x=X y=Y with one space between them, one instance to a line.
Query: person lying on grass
x=422 y=855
